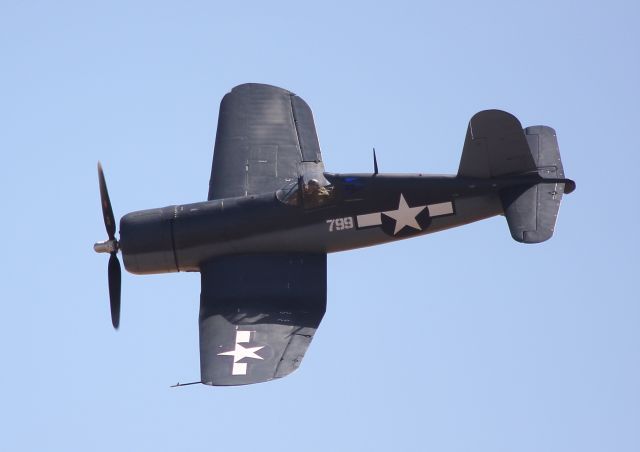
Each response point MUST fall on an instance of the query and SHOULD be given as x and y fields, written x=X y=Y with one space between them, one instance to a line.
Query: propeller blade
x=115 y=283
x=107 y=211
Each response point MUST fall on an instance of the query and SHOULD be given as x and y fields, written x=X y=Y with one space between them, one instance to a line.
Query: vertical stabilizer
x=495 y=146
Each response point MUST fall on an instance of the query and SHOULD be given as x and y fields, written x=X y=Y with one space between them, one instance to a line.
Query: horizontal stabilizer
x=531 y=211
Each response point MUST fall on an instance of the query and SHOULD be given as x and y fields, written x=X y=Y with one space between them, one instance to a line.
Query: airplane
x=260 y=241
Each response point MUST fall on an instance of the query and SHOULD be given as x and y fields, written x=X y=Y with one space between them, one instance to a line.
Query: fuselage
x=357 y=210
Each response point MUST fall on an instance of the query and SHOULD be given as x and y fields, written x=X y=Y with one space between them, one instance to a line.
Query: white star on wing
x=405 y=215
x=241 y=352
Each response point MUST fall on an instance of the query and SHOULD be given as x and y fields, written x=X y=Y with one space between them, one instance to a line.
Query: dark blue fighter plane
x=260 y=241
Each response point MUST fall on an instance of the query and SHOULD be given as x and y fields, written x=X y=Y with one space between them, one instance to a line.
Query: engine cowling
x=146 y=241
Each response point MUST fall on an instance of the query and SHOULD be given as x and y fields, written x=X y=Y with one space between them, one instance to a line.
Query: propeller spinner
x=110 y=246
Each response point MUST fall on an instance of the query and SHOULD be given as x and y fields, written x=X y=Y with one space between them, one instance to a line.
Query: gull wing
x=266 y=137
x=258 y=315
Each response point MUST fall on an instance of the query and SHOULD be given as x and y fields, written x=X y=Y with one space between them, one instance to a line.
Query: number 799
x=340 y=224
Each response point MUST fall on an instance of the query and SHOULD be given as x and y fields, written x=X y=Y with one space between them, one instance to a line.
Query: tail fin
x=497 y=146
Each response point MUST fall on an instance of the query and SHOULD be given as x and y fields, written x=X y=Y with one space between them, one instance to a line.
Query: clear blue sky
x=459 y=341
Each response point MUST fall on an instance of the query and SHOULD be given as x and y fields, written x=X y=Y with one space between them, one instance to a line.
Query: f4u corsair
x=260 y=241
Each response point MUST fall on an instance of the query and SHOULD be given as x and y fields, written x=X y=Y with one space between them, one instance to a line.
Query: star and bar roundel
x=405 y=220
x=241 y=352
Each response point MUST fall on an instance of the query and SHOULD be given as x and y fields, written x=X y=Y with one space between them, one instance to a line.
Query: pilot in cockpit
x=313 y=190
x=313 y=193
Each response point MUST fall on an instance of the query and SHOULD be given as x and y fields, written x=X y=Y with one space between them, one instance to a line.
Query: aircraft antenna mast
x=375 y=162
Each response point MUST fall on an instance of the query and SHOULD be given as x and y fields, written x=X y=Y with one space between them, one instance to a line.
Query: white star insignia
x=405 y=215
x=241 y=352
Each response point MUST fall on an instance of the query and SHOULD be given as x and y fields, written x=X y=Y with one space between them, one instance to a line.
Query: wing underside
x=266 y=137
x=258 y=314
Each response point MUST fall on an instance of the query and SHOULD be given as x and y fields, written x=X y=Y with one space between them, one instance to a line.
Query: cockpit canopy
x=309 y=194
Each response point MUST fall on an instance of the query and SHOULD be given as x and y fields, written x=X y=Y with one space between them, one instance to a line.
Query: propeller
x=110 y=246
